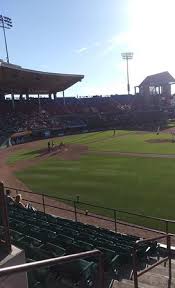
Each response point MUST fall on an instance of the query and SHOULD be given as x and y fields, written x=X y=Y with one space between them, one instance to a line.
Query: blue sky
x=88 y=36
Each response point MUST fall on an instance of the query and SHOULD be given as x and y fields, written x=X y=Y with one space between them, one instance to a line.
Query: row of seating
x=63 y=231
x=44 y=236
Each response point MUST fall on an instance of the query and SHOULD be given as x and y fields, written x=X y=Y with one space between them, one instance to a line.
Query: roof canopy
x=17 y=80
x=158 y=79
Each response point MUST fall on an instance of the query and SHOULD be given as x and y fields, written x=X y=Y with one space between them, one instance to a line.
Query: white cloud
x=44 y=67
x=84 y=49
x=81 y=50
x=117 y=41
x=97 y=44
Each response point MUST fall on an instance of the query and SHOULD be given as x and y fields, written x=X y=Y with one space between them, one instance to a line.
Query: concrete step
x=172 y=264
x=157 y=280
x=129 y=284
x=163 y=271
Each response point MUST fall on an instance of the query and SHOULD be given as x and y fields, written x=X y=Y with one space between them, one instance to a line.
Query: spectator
x=18 y=201
x=48 y=146
x=10 y=200
x=30 y=207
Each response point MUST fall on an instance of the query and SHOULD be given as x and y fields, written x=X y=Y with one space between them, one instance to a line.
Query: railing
x=164 y=260
x=5 y=242
x=58 y=260
x=76 y=207
x=50 y=262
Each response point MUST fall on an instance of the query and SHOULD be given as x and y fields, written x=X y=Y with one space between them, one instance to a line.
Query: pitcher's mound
x=71 y=151
x=64 y=151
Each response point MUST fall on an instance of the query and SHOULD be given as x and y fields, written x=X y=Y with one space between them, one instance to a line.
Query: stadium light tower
x=5 y=23
x=127 y=56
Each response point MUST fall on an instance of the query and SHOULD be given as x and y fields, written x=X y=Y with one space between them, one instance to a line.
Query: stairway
x=155 y=278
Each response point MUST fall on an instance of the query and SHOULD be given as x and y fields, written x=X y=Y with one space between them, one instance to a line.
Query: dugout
x=21 y=137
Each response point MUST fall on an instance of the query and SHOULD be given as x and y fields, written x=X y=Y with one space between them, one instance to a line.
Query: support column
x=27 y=96
x=160 y=94
x=64 y=102
x=13 y=101
x=39 y=104
x=54 y=95
x=2 y=96
x=159 y=90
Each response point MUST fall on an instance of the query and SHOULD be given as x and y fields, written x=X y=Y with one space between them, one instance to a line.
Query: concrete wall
x=16 y=257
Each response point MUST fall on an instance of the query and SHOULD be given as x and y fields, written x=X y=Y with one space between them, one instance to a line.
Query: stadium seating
x=44 y=236
x=77 y=115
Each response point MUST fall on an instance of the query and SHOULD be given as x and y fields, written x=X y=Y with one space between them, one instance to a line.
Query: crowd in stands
x=91 y=113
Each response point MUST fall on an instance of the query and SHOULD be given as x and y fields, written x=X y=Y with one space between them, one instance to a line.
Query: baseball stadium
x=86 y=183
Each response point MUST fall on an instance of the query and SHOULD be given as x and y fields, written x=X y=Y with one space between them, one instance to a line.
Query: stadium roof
x=158 y=79
x=17 y=80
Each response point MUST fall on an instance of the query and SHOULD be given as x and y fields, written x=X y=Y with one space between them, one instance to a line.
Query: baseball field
x=130 y=170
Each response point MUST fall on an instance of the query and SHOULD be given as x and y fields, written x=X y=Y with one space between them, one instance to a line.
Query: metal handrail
x=165 y=259
x=141 y=241
x=55 y=261
x=95 y=206
x=115 y=211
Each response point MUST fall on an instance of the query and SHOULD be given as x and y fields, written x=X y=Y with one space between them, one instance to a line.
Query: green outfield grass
x=135 y=184
x=143 y=185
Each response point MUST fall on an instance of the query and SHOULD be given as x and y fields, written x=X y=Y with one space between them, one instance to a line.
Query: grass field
x=144 y=185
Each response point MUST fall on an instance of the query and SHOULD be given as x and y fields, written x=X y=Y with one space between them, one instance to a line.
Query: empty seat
x=54 y=250
x=44 y=236
x=16 y=237
x=111 y=260
x=79 y=272
x=62 y=240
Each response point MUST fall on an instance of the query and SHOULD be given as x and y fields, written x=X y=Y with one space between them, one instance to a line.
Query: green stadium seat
x=43 y=224
x=16 y=237
x=84 y=245
x=41 y=215
x=79 y=273
x=62 y=240
x=111 y=260
x=30 y=220
x=38 y=278
x=47 y=235
x=51 y=219
x=65 y=222
x=32 y=281
x=43 y=236
x=70 y=232
x=17 y=225
x=55 y=250
x=72 y=248
x=56 y=228
x=86 y=237
x=27 y=241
